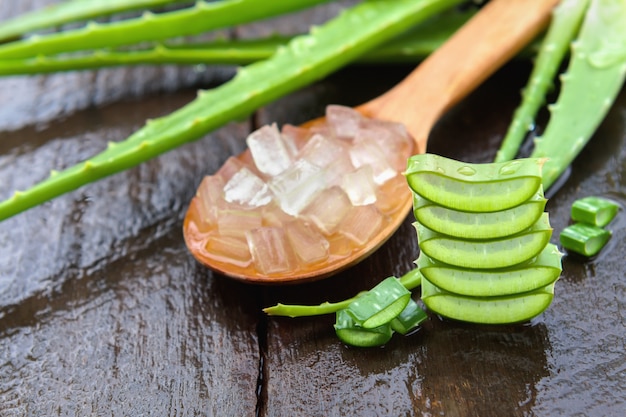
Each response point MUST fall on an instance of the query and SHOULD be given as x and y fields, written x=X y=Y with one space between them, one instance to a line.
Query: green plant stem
x=411 y=47
x=305 y=60
x=594 y=77
x=410 y=280
x=72 y=11
x=566 y=20
x=202 y=17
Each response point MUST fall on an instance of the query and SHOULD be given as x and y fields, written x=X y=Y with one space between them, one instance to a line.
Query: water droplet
x=440 y=170
x=510 y=168
x=610 y=53
x=466 y=170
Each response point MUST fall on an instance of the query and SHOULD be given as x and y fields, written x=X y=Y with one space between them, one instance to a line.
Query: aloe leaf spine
x=411 y=47
x=306 y=59
x=202 y=17
x=565 y=23
x=594 y=77
x=71 y=11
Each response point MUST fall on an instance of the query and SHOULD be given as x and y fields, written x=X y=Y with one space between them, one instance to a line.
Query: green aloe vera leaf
x=306 y=59
x=381 y=304
x=565 y=23
x=202 y=17
x=411 y=317
x=350 y=333
x=594 y=77
x=490 y=253
x=487 y=310
x=541 y=271
x=412 y=46
x=473 y=187
x=473 y=225
x=584 y=239
x=597 y=211
x=71 y=11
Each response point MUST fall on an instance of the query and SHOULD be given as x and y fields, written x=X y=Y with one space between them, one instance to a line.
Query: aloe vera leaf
x=413 y=46
x=381 y=304
x=597 y=211
x=71 y=11
x=565 y=23
x=202 y=17
x=410 y=280
x=514 y=308
x=487 y=225
x=473 y=187
x=484 y=254
x=594 y=77
x=305 y=59
x=541 y=271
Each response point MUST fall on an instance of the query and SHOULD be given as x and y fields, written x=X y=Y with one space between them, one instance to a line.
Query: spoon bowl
x=493 y=36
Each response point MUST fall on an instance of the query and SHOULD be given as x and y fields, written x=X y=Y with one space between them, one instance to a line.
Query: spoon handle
x=492 y=37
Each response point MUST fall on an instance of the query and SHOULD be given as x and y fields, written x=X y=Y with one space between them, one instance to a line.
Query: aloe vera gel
x=485 y=255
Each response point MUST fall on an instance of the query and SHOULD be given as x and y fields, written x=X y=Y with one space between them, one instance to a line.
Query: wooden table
x=104 y=312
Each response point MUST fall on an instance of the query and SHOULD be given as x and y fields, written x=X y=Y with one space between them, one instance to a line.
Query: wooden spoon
x=492 y=37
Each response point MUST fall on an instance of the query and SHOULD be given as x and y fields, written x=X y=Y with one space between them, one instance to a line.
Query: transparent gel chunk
x=328 y=210
x=344 y=121
x=361 y=224
x=230 y=168
x=359 y=186
x=392 y=138
x=309 y=245
x=234 y=222
x=341 y=166
x=322 y=151
x=229 y=249
x=271 y=154
x=367 y=152
x=247 y=189
x=270 y=250
x=296 y=187
x=210 y=193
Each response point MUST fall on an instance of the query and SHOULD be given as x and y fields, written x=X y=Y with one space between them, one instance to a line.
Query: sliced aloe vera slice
x=409 y=318
x=473 y=187
x=541 y=271
x=487 y=310
x=597 y=211
x=350 y=333
x=484 y=254
x=381 y=304
x=472 y=225
x=584 y=239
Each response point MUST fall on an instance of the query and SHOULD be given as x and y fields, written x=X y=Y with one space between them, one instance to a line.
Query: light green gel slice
x=541 y=271
x=487 y=310
x=352 y=334
x=381 y=304
x=473 y=187
x=597 y=211
x=473 y=225
x=484 y=254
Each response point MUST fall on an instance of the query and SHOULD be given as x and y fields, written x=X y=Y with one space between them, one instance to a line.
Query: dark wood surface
x=104 y=312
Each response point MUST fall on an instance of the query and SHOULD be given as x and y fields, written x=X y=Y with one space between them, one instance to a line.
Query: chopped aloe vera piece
x=472 y=225
x=597 y=211
x=350 y=333
x=483 y=254
x=487 y=310
x=411 y=317
x=584 y=239
x=474 y=187
x=541 y=271
x=381 y=304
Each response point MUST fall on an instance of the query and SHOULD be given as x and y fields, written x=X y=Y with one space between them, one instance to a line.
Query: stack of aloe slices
x=485 y=251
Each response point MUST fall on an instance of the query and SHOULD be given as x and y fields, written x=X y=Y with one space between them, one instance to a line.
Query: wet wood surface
x=104 y=312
